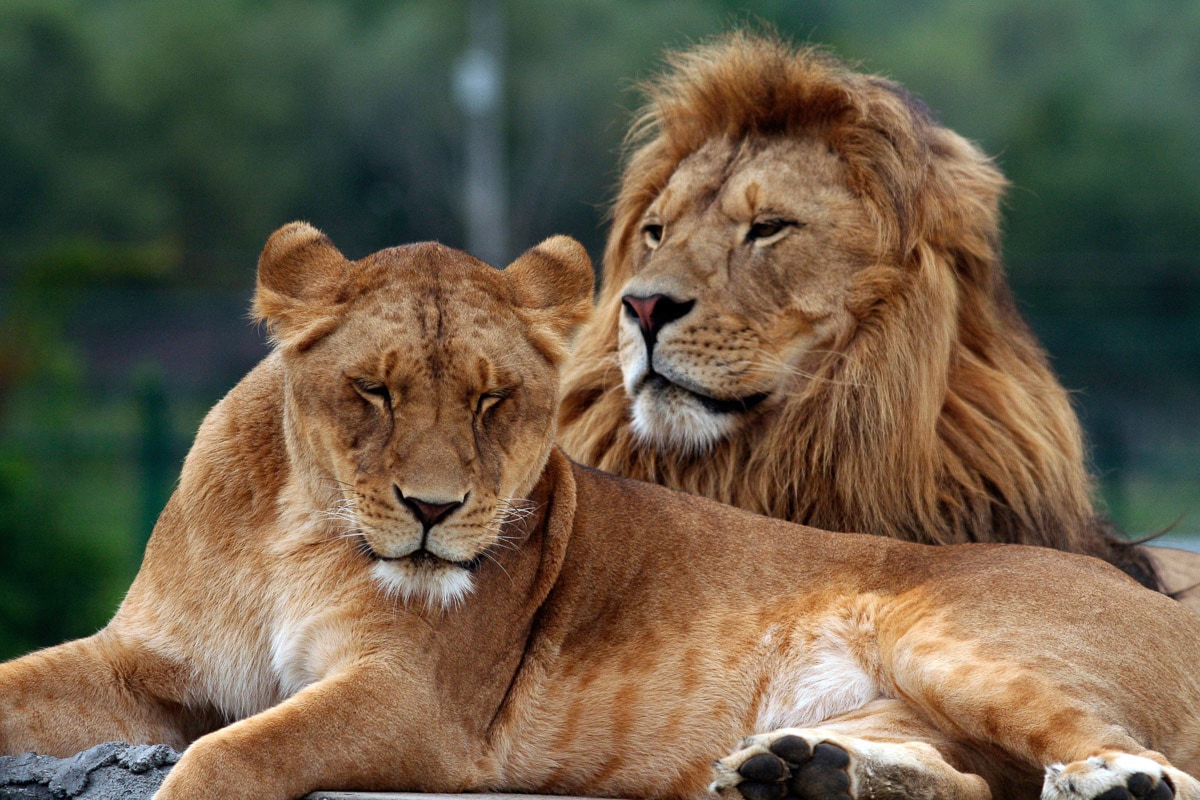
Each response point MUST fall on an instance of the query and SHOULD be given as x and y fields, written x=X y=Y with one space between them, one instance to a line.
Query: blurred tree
x=157 y=144
x=65 y=564
x=205 y=125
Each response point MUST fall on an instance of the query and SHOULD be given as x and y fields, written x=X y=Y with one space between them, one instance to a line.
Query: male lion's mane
x=938 y=419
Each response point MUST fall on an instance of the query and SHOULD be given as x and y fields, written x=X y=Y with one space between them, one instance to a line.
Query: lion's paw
x=785 y=764
x=1113 y=776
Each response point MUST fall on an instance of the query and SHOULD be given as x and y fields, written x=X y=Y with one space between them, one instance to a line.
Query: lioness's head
x=421 y=391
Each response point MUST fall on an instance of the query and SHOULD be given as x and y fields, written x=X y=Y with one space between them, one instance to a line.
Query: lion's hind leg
x=1071 y=718
x=883 y=750
x=1114 y=775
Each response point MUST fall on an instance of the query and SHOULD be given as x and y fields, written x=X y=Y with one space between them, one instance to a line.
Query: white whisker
x=491 y=557
x=773 y=362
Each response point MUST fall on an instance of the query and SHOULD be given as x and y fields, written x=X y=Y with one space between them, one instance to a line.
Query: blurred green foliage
x=66 y=548
x=147 y=149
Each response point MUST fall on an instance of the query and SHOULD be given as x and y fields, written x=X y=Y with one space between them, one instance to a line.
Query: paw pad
x=1139 y=786
x=793 y=770
x=1109 y=776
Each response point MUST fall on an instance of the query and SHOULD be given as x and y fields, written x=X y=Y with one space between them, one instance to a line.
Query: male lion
x=381 y=573
x=803 y=313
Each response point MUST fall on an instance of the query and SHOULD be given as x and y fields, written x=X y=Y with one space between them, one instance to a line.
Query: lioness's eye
x=489 y=400
x=373 y=392
x=652 y=232
x=765 y=230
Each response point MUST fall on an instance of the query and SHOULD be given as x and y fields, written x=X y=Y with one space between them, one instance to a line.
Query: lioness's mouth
x=737 y=405
x=423 y=559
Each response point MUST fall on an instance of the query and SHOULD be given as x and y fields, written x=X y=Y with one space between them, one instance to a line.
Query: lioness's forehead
x=431 y=286
x=422 y=329
x=436 y=310
x=423 y=313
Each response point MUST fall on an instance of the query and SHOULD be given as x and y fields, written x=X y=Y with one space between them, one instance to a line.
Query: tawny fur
x=931 y=416
x=596 y=635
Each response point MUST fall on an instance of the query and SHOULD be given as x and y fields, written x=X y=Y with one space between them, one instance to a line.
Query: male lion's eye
x=373 y=392
x=768 y=230
x=652 y=232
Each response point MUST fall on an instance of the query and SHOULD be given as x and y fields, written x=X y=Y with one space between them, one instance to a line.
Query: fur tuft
x=443 y=588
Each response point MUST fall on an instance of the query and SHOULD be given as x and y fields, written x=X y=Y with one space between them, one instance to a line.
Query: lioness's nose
x=428 y=513
x=655 y=311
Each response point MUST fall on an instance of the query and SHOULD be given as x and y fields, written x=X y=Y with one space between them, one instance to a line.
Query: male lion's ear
x=553 y=283
x=299 y=275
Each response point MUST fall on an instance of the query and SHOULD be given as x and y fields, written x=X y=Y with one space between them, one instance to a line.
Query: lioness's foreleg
x=1114 y=775
x=882 y=750
x=366 y=728
x=67 y=698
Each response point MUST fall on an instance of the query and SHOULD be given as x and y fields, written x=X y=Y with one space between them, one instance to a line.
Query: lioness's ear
x=299 y=274
x=553 y=283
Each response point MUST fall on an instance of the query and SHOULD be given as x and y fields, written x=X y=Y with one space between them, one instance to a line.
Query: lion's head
x=702 y=344
x=803 y=313
x=421 y=388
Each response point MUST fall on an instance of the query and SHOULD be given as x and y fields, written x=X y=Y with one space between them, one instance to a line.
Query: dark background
x=147 y=149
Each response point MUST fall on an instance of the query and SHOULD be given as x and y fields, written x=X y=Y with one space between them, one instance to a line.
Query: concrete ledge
x=427 y=796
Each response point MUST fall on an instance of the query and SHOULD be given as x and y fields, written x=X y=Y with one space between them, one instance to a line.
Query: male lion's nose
x=655 y=311
x=428 y=513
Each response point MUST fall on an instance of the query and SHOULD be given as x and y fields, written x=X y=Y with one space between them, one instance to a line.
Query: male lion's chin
x=436 y=585
x=673 y=420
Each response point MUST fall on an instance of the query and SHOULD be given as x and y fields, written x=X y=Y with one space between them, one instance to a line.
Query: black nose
x=427 y=513
x=655 y=311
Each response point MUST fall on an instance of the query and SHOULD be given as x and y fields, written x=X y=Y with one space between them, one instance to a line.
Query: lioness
x=381 y=574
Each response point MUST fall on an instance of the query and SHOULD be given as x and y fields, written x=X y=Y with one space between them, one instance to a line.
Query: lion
x=803 y=313
x=378 y=572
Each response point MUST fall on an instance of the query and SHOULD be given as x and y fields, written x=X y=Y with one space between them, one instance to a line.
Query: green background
x=147 y=149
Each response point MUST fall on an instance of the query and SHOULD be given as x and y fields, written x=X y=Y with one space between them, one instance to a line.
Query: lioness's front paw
x=1115 y=776
x=782 y=764
x=210 y=769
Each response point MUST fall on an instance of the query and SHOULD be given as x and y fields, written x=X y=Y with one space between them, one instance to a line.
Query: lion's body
x=309 y=615
x=834 y=342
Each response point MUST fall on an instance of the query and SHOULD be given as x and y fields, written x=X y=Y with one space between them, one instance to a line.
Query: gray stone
x=109 y=771
x=120 y=771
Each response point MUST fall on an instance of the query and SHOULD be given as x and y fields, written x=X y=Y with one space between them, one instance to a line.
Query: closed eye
x=489 y=400
x=373 y=392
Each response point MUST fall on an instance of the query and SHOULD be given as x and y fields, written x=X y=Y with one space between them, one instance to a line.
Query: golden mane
x=938 y=419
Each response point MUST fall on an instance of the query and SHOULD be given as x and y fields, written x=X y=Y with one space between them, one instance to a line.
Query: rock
x=109 y=771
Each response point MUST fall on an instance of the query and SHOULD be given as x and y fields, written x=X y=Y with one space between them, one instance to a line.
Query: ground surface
x=105 y=772
x=133 y=772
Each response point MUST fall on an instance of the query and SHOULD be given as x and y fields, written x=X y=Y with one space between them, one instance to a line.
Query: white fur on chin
x=443 y=586
x=677 y=423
